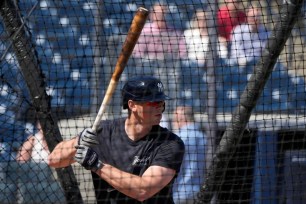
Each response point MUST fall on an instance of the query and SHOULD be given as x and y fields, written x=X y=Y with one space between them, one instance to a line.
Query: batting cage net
x=234 y=73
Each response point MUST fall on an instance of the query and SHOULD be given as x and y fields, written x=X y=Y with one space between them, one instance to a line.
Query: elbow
x=56 y=162
x=137 y=194
x=50 y=161
x=143 y=195
x=142 y=198
x=53 y=162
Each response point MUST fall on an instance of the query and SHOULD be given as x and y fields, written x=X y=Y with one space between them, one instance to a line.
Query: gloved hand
x=88 y=158
x=88 y=138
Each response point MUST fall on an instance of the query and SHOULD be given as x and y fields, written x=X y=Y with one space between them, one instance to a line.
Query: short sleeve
x=170 y=154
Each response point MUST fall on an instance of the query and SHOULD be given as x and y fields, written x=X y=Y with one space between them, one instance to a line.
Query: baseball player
x=133 y=159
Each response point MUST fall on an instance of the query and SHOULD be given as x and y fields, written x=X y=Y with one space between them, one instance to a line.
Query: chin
x=156 y=122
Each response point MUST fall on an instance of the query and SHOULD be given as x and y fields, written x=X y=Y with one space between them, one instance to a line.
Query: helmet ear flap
x=125 y=105
x=124 y=99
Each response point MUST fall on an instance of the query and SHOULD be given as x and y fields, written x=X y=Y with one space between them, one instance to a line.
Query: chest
x=131 y=157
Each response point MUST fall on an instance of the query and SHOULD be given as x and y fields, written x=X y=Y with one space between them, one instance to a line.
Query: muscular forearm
x=139 y=188
x=63 y=154
x=128 y=184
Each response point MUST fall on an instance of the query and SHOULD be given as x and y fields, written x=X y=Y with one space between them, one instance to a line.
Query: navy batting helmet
x=143 y=88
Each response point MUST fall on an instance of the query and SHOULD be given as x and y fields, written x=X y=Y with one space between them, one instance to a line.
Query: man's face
x=158 y=14
x=201 y=20
x=254 y=16
x=150 y=112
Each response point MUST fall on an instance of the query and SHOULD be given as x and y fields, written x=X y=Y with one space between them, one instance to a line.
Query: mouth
x=158 y=115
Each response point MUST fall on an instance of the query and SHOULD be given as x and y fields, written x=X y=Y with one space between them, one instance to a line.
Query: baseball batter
x=133 y=159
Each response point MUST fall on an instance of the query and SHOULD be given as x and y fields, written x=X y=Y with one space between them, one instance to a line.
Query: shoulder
x=242 y=15
x=192 y=32
x=242 y=28
x=150 y=28
x=223 y=11
x=190 y=131
x=264 y=31
x=165 y=136
x=188 y=32
x=31 y=138
x=170 y=150
x=169 y=137
x=29 y=142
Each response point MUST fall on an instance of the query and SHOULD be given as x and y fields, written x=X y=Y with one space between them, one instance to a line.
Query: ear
x=132 y=105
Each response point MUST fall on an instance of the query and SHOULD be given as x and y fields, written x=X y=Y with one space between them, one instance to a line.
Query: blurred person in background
x=249 y=39
x=197 y=39
x=191 y=176
x=159 y=39
x=193 y=69
x=35 y=148
x=33 y=170
x=229 y=15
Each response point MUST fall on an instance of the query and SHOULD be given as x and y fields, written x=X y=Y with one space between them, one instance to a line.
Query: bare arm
x=25 y=151
x=63 y=154
x=140 y=188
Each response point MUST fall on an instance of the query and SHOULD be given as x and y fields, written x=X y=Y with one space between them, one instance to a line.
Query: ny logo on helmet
x=160 y=87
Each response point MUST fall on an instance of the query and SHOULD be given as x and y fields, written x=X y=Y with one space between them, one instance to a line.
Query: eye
x=155 y=103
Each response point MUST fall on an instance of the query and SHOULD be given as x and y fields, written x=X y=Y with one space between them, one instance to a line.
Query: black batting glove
x=88 y=158
x=88 y=137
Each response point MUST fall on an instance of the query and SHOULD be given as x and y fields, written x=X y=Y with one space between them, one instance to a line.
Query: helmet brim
x=160 y=97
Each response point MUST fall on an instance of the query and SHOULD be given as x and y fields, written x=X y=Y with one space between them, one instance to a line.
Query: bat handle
x=98 y=118
x=109 y=92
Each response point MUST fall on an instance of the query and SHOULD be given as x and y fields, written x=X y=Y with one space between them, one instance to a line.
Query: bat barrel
x=134 y=32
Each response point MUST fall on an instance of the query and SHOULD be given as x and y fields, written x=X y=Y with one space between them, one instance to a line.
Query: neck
x=135 y=129
x=254 y=28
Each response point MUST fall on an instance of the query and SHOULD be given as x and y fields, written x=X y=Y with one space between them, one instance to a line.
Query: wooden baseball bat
x=127 y=49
